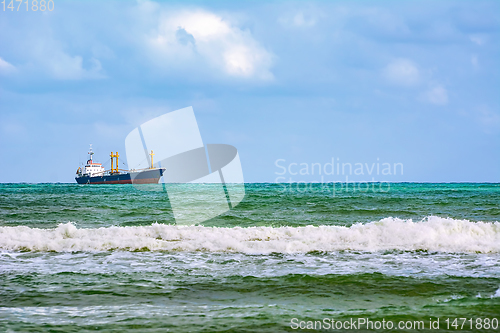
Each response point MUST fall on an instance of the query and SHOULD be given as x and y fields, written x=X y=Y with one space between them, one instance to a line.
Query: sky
x=388 y=90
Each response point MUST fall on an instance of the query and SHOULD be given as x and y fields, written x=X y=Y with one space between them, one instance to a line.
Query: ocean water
x=79 y=258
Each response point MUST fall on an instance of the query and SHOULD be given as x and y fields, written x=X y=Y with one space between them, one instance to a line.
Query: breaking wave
x=431 y=234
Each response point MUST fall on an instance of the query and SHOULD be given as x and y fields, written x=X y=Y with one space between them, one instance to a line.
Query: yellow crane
x=113 y=156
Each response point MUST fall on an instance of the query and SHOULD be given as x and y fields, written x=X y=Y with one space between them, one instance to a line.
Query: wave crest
x=431 y=234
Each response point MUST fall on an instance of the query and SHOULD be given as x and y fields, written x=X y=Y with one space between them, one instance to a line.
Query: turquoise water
x=110 y=257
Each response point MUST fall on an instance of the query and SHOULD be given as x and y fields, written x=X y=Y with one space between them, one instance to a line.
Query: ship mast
x=91 y=152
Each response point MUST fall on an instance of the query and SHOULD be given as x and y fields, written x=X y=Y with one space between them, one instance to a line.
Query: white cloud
x=62 y=66
x=5 y=67
x=489 y=119
x=14 y=128
x=402 y=72
x=474 y=61
x=190 y=36
x=436 y=95
x=478 y=39
x=298 y=19
x=45 y=56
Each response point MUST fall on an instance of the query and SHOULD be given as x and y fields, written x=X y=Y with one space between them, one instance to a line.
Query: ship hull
x=142 y=177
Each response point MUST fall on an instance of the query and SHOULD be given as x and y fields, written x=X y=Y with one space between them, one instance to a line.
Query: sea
x=402 y=257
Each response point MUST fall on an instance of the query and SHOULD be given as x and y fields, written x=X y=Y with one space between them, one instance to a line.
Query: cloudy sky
x=410 y=82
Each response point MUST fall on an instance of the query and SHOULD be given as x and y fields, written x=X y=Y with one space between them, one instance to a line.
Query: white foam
x=431 y=234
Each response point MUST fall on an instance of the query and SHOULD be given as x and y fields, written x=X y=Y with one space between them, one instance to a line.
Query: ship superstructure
x=91 y=169
x=95 y=173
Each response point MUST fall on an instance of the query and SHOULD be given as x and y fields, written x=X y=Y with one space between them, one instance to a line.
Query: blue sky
x=411 y=82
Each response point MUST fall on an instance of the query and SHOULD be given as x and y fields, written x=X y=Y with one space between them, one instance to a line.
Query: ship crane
x=113 y=156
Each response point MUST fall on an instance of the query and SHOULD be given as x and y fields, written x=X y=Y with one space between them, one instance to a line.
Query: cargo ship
x=94 y=173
